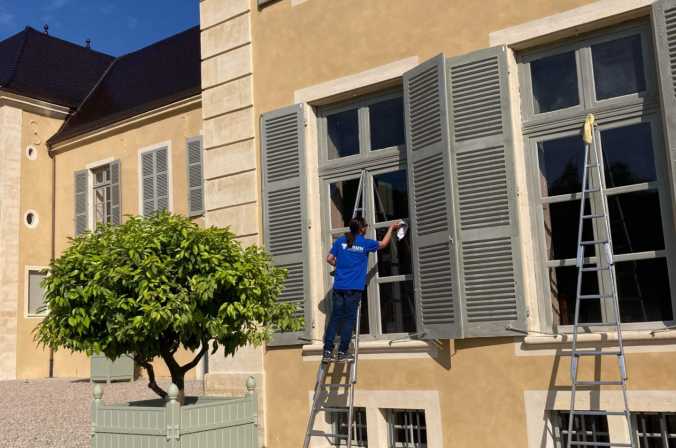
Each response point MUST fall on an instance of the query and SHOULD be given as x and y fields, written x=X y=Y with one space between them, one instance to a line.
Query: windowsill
x=610 y=336
x=382 y=350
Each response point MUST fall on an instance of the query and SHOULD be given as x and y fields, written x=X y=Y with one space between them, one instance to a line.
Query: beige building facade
x=480 y=360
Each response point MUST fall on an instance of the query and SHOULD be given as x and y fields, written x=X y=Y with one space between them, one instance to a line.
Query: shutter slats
x=427 y=146
x=155 y=180
x=282 y=135
x=664 y=26
x=195 y=177
x=115 y=207
x=81 y=201
x=481 y=146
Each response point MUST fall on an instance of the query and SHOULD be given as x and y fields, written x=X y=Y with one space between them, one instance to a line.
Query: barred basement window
x=589 y=429
x=656 y=430
x=406 y=428
x=338 y=420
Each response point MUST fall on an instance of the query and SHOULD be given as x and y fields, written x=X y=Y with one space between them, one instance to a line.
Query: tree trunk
x=178 y=378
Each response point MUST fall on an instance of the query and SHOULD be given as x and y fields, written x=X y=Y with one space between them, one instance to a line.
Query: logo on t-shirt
x=354 y=248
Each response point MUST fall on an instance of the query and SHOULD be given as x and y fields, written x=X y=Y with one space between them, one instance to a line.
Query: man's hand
x=388 y=236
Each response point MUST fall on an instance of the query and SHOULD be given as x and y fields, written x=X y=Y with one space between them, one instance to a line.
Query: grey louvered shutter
x=155 y=180
x=283 y=144
x=81 y=202
x=481 y=144
x=115 y=207
x=664 y=25
x=195 y=177
x=428 y=155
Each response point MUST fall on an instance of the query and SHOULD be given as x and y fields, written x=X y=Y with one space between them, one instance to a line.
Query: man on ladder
x=349 y=255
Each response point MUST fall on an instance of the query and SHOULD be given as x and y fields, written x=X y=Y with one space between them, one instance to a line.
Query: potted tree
x=149 y=286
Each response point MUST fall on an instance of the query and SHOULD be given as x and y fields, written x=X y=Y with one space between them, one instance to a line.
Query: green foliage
x=151 y=284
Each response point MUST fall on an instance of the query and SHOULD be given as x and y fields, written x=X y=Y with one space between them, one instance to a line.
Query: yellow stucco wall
x=481 y=387
x=123 y=145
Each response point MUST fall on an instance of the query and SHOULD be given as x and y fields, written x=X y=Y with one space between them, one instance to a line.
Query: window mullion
x=586 y=76
x=364 y=130
x=372 y=286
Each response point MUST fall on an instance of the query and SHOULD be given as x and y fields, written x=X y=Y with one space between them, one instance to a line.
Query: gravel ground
x=56 y=412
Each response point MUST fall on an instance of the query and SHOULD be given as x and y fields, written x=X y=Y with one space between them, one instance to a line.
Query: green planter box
x=103 y=369
x=202 y=422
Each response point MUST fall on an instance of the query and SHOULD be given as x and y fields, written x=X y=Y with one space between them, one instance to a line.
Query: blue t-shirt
x=352 y=262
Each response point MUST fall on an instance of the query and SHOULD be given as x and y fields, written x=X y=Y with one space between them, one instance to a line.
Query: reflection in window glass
x=643 y=290
x=563 y=288
x=554 y=82
x=635 y=222
x=396 y=258
x=343 y=196
x=561 y=227
x=343 y=134
x=387 y=123
x=561 y=165
x=618 y=67
x=397 y=307
x=391 y=196
x=628 y=155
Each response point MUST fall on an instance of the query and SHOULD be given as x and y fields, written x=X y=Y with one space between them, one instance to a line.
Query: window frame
x=610 y=113
x=349 y=168
x=27 y=272
x=391 y=426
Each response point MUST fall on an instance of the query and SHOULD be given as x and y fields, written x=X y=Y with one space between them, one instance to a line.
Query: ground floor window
x=588 y=429
x=406 y=428
x=338 y=420
x=655 y=430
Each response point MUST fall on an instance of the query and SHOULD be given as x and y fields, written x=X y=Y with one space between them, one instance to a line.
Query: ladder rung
x=338 y=385
x=592 y=353
x=596 y=324
x=592 y=190
x=333 y=409
x=594 y=296
x=592 y=242
x=593 y=216
x=592 y=165
x=595 y=412
x=595 y=269
x=314 y=433
x=599 y=383
x=610 y=444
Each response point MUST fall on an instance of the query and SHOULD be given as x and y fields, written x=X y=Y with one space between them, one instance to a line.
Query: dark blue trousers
x=343 y=316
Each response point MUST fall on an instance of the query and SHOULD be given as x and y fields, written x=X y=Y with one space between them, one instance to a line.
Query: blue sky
x=116 y=27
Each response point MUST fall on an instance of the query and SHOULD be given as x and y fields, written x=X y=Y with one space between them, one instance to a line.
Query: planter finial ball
x=98 y=392
x=251 y=384
x=173 y=392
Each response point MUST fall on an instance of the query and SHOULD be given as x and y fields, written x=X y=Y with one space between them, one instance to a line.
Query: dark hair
x=356 y=224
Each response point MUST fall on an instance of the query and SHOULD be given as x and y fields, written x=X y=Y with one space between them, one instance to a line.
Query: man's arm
x=382 y=244
x=331 y=259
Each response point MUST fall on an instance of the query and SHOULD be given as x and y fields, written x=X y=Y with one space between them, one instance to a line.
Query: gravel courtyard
x=56 y=412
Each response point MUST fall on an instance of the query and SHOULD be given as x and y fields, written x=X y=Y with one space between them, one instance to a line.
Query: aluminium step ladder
x=323 y=389
x=593 y=189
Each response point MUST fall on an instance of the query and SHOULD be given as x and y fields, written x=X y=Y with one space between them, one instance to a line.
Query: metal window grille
x=407 y=429
x=655 y=430
x=102 y=195
x=586 y=428
x=338 y=421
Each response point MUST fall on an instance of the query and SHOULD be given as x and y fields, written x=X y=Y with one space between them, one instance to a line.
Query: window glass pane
x=643 y=290
x=561 y=165
x=343 y=196
x=396 y=258
x=397 y=307
x=36 y=294
x=391 y=196
x=343 y=130
x=387 y=123
x=618 y=67
x=628 y=155
x=635 y=222
x=100 y=204
x=561 y=228
x=563 y=287
x=554 y=82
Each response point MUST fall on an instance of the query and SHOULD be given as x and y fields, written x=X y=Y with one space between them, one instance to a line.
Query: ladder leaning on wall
x=323 y=390
x=593 y=190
